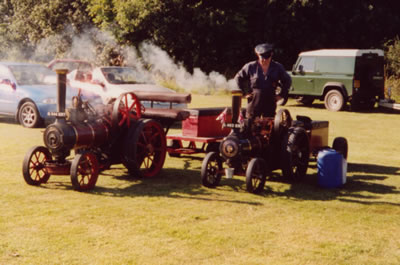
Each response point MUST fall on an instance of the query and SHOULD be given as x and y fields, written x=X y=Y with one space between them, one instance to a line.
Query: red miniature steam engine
x=120 y=132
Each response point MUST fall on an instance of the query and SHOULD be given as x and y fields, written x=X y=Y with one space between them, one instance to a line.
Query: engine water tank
x=332 y=169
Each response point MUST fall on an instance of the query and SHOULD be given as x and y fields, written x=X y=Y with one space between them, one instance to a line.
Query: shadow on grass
x=171 y=183
x=367 y=168
x=185 y=183
x=364 y=189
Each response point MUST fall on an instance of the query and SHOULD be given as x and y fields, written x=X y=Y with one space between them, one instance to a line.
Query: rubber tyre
x=28 y=115
x=84 y=171
x=211 y=170
x=256 y=175
x=145 y=149
x=334 y=100
x=33 y=166
x=295 y=154
x=341 y=146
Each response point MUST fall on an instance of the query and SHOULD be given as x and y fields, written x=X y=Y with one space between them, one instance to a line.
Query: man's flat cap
x=263 y=48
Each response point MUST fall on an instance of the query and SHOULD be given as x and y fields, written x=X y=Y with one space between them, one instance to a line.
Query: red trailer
x=202 y=132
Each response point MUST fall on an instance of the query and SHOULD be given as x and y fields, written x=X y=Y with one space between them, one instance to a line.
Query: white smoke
x=153 y=64
x=160 y=66
x=197 y=81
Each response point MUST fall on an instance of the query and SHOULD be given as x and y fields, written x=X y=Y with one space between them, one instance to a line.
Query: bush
x=392 y=84
x=392 y=68
x=393 y=57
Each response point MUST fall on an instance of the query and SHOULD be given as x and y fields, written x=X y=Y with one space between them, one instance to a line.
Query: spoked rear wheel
x=211 y=170
x=256 y=175
x=84 y=171
x=146 y=148
x=33 y=167
x=126 y=107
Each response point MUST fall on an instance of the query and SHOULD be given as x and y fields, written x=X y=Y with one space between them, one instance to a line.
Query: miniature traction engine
x=257 y=146
x=110 y=134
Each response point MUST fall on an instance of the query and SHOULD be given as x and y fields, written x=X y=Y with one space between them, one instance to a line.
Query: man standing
x=259 y=80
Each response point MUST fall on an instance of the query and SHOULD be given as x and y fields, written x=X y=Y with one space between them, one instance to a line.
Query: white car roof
x=341 y=52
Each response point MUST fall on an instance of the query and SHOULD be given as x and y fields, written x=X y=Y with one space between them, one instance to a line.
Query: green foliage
x=28 y=22
x=213 y=35
x=218 y=35
x=393 y=57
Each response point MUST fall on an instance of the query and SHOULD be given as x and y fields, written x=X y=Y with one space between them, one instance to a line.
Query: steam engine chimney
x=236 y=105
x=61 y=89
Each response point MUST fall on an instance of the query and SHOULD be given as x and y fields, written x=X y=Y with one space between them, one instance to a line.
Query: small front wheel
x=211 y=170
x=256 y=175
x=33 y=167
x=84 y=171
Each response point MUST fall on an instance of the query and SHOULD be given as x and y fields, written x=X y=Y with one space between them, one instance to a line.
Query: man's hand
x=249 y=96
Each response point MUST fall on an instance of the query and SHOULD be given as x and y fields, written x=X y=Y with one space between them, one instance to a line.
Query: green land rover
x=338 y=76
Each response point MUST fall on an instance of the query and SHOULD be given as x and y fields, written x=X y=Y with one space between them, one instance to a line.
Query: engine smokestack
x=61 y=89
x=236 y=105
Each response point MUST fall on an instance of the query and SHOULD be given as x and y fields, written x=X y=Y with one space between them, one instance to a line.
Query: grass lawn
x=173 y=219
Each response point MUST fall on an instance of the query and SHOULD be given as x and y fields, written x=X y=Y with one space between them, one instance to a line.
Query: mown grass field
x=173 y=219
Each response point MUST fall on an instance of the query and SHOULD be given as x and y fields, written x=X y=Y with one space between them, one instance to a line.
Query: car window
x=120 y=75
x=307 y=64
x=33 y=75
x=343 y=65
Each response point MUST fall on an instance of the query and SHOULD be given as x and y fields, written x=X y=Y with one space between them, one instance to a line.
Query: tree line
x=213 y=35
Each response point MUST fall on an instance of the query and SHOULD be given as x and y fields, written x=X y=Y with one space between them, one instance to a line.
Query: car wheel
x=28 y=115
x=334 y=100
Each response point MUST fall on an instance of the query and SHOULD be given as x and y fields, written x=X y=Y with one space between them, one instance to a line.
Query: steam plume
x=154 y=64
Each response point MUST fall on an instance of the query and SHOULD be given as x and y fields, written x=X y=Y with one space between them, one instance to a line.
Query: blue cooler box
x=332 y=169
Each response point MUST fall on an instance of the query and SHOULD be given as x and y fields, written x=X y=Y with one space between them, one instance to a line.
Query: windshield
x=120 y=75
x=33 y=75
x=72 y=65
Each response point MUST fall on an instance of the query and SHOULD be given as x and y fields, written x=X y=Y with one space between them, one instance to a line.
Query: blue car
x=29 y=91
